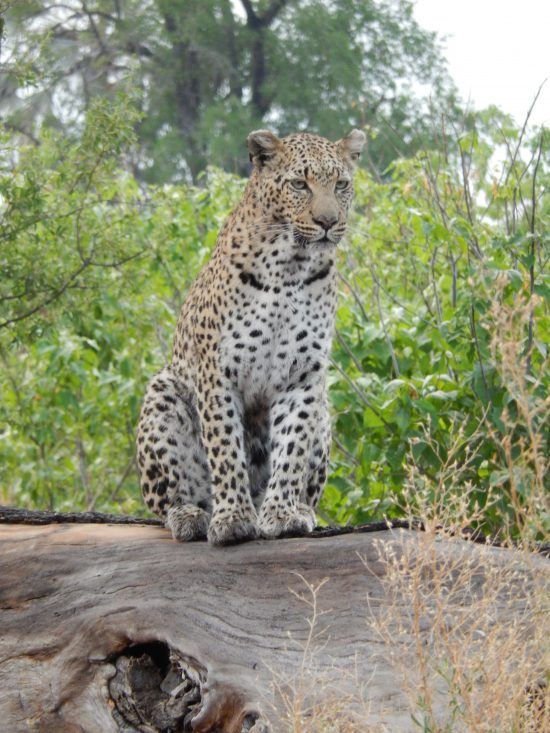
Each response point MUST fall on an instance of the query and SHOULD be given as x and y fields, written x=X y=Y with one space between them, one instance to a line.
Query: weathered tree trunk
x=118 y=628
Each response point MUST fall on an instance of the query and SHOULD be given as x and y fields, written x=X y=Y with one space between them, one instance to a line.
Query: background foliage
x=204 y=71
x=96 y=266
x=439 y=365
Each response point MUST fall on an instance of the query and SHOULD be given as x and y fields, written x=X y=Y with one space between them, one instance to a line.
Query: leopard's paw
x=278 y=521
x=228 y=529
x=187 y=522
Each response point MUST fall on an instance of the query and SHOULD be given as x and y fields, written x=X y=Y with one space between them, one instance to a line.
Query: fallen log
x=115 y=627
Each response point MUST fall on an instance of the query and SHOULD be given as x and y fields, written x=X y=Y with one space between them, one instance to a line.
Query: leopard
x=234 y=434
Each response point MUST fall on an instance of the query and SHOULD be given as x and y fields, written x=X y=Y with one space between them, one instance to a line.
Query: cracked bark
x=115 y=627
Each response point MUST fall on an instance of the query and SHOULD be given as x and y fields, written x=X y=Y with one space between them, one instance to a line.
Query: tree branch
x=272 y=12
x=56 y=294
x=251 y=16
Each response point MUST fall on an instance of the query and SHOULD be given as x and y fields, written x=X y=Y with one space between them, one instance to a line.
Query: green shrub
x=436 y=255
x=96 y=267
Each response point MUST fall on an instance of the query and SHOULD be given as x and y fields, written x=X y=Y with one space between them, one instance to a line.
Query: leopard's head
x=305 y=182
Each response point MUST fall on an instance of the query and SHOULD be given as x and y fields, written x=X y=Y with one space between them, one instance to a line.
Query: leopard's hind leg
x=319 y=459
x=174 y=473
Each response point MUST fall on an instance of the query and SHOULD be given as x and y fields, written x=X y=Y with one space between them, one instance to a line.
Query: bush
x=442 y=257
x=442 y=254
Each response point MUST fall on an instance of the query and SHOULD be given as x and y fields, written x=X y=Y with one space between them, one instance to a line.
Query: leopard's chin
x=324 y=243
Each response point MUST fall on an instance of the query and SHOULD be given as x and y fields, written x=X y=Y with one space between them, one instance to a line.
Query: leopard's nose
x=326 y=221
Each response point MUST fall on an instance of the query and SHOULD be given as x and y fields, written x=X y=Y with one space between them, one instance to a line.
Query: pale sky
x=498 y=51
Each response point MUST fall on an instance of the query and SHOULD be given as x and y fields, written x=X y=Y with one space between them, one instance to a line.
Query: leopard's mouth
x=321 y=242
x=325 y=242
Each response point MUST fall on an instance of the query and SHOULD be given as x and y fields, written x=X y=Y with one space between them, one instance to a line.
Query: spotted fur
x=234 y=434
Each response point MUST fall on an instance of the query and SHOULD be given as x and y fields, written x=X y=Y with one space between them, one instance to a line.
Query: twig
x=56 y=294
x=532 y=263
x=341 y=340
x=356 y=297
x=338 y=443
x=123 y=478
x=386 y=333
x=478 y=351
x=359 y=392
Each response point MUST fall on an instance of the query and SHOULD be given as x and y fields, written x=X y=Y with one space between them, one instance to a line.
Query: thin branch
x=532 y=229
x=130 y=465
x=433 y=260
x=382 y=322
x=355 y=294
x=478 y=351
x=54 y=296
x=83 y=470
x=523 y=129
x=272 y=12
x=351 y=458
x=95 y=29
x=465 y=169
x=118 y=263
x=349 y=352
x=359 y=392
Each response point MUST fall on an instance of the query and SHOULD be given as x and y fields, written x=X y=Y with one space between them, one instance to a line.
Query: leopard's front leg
x=294 y=421
x=234 y=517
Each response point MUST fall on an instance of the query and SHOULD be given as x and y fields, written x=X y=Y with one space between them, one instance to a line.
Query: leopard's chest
x=274 y=337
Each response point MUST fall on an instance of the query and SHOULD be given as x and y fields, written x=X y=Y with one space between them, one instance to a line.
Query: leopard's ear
x=263 y=146
x=352 y=145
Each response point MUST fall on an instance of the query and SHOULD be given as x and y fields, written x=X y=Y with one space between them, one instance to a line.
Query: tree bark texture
x=116 y=627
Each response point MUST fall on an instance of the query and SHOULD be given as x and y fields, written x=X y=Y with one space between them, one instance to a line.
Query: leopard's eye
x=298 y=184
x=342 y=184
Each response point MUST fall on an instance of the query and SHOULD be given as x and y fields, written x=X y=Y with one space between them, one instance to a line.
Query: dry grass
x=476 y=624
x=465 y=627
x=319 y=698
x=523 y=442
x=466 y=633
